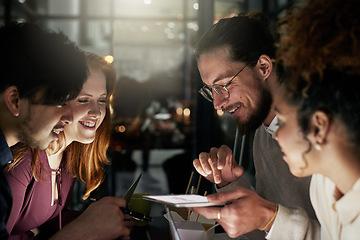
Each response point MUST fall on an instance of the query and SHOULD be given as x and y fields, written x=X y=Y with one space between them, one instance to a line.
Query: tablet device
x=130 y=191
x=182 y=200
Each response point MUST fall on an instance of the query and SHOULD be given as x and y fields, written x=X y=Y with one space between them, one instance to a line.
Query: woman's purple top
x=32 y=199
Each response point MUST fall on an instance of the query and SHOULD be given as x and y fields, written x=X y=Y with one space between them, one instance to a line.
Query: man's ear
x=321 y=125
x=265 y=65
x=12 y=100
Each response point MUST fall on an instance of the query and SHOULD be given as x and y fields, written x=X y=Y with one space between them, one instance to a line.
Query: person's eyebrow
x=217 y=80
x=220 y=78
x=90 y=95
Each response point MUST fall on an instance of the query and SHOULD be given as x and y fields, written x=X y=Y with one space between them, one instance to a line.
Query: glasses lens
x=206 y=93
x=221 y=91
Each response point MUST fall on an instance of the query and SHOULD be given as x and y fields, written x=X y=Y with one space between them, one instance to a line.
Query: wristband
x=271 y=220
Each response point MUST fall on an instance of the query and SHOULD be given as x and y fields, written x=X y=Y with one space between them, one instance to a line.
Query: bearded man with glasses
x=235 y=61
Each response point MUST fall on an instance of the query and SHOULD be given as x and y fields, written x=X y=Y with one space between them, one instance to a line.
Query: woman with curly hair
x=42 y=181
x=318 y=109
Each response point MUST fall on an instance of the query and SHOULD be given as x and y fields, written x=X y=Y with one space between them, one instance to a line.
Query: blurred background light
x=109 y=59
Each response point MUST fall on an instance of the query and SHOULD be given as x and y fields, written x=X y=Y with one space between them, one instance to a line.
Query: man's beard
x=25 y=133
x=256 y=117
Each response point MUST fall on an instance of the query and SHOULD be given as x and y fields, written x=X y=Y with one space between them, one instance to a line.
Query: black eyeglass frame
x=207 y=93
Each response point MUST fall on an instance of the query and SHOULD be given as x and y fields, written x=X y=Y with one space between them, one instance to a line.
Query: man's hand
x=245 y=212
x=218 y=166
x=101 y=220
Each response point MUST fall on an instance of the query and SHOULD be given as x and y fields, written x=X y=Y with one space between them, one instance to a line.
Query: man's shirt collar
x=273 y=127
x=6 y=155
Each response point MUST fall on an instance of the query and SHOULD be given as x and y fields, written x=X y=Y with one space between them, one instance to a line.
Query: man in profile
x=40 y=72
x=236 y=63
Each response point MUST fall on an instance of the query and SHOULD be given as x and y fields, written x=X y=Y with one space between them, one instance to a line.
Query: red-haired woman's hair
x=19 y=150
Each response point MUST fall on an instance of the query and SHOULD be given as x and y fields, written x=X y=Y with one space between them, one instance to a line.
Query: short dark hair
x=33 y=59
x=247 y=36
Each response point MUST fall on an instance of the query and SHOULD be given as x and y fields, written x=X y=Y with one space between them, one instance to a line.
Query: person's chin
x=297 y=172
x=44 y=145
x=87 y=140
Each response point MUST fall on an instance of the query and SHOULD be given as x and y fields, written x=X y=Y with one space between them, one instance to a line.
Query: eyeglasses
x=221 y=90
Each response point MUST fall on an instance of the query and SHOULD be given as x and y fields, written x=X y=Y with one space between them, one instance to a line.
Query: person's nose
x=67 y=115
x=94 y=110
x=218 y=101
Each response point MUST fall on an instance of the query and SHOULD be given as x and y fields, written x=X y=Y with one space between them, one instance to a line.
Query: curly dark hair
x=323 y=63
x=324 y=34
x=336 y=94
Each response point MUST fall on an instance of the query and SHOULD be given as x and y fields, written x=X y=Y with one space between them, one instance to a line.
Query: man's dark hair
x=34 y=59
x=247 y=36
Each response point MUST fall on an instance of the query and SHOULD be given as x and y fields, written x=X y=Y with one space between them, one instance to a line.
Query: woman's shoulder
x=24 y=168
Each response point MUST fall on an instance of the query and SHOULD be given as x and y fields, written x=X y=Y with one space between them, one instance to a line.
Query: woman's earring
x=318 y=146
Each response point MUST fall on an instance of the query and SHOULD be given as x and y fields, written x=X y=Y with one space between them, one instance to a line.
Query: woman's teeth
x=88 y=124
x=57 y=131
